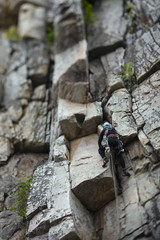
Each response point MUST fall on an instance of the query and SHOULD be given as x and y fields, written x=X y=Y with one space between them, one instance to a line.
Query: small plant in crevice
x=21 y=197
x=130 y=10
x=50 y=34
x=88 y=14
x=127 y=71
x=128 y=74
x=12 y=34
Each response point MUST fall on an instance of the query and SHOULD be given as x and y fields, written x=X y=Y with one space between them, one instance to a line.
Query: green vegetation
x=21 y=197
x=132 y=14
x=50 y=34
x=88 y=12
x=127 y=72
x=12 y=34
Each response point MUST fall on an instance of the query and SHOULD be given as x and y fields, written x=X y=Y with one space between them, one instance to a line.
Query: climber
x=112 y=140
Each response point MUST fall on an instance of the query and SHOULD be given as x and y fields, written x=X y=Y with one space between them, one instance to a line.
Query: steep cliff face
x=54 y=101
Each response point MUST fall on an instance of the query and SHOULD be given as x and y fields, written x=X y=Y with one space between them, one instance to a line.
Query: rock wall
x=54 y=101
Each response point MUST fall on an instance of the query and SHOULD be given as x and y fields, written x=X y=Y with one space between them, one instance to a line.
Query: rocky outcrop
x=52 y=110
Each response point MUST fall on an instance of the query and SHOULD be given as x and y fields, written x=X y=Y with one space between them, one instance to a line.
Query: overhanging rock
x=78 y=120
x=91 y=183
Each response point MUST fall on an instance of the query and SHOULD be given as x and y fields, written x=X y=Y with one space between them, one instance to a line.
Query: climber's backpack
x=109 y=131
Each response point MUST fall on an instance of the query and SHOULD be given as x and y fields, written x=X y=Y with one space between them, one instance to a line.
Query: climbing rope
x=113 y=170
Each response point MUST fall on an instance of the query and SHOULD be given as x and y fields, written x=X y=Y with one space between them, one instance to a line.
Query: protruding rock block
x=69 y=25
x=31 y=22
x=108 y=27
x=94 y=185
x=78 y=119
x=70 y=79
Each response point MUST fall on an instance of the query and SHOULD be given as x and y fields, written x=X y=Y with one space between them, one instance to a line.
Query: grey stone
x=97 y=80
x=78 y=119
x=31 y=22
x=153 y=208
x=119 y=111
x=6 y=126
x=13 y=223
x=39 y=189
x=38 y=62
x=39 y=93
x=67 y=82
x=90 y=183
x=112 y=63
x=18 y=57
x=4 y=54
x=108 y=29
x=61 y=151
x=68 y=22
x=17 y=85
x=6 y=149
x=144 y=52
x=33 y=136
x=146 y=108
x=150 y=11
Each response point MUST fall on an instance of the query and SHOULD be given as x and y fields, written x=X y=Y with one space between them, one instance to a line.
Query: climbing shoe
x=126 y=173
x=105 y=160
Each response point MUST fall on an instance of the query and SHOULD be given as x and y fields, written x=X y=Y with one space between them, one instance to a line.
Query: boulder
x=78 y=119
x=31 y=22
x=94 y=186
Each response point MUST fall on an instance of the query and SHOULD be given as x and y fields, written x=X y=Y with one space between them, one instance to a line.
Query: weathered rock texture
x=52 y=109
